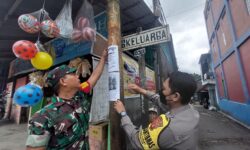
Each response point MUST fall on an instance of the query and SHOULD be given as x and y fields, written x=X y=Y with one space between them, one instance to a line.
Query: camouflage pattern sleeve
x=38 y=130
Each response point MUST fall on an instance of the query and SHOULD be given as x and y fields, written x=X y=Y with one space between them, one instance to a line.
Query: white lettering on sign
x=139 y=52
x=146 y=38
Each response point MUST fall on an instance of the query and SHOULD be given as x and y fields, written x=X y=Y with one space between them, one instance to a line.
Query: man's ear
x=176 y=96
x=62 y=82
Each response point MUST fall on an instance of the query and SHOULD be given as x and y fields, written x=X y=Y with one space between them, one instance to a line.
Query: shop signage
x=146 y=38
x=139 y=52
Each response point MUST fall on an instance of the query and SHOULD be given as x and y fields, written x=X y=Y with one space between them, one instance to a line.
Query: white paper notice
x=113 y=58
x=114 y=86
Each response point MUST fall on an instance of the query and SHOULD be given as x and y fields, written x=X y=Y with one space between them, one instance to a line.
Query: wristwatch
x=123 y=113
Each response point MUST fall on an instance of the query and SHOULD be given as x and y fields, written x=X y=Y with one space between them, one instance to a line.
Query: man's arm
x=98 y=70
x=128 y=127
x=155 y=98
x=136 y=89
x=38 y=132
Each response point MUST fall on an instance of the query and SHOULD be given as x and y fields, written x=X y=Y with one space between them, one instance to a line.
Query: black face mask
x=162 y=98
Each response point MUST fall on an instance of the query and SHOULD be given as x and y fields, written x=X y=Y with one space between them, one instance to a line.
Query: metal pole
x=114 y=38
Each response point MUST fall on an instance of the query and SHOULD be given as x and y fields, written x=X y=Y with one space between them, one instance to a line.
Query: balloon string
x=41 y=17
x=44 y=3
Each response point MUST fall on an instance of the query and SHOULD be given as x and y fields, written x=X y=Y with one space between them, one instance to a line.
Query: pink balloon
x=88 y=34
x=76 y=35
x=82 y=23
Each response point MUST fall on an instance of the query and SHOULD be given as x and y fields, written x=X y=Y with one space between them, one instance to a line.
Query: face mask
x=162 y=98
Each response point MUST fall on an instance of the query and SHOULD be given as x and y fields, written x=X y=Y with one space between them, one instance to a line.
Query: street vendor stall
x=114 y=24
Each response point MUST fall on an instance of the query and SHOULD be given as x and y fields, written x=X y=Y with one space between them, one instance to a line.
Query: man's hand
x=136 y=89
x=119 y=107
x=105 y=54
x=98 y=70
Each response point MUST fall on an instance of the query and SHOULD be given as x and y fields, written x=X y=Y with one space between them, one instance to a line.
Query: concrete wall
x=245 y=56
x=232 y=77
x=215 y=50
x=240 y=16
x=228 y=27
x=223 y=33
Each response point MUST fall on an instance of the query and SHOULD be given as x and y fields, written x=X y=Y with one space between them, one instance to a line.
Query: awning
x=134 y=14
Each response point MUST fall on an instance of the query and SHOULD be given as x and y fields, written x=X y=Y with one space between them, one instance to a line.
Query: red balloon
x=24 y=49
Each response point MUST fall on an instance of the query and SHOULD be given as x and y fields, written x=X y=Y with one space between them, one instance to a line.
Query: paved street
x=12 y=136
x=216 y=133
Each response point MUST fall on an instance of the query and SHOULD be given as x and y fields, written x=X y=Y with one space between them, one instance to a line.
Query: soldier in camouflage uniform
x=63 y=124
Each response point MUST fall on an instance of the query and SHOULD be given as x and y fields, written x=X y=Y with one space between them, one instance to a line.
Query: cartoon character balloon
x=29 y=23
x=50 y=29
x=28 y=95
x=24 y=49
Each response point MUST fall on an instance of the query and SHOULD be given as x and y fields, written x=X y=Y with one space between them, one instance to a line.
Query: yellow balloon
x=42 y=61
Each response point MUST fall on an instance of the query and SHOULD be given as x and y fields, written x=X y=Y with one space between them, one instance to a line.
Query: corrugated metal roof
x=136 y=13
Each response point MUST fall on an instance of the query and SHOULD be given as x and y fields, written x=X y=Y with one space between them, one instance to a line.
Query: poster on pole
x=114 y=74
x=113 y=58
x=114 y=86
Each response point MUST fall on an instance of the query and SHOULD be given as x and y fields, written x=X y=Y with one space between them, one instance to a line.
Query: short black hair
x=184 y=84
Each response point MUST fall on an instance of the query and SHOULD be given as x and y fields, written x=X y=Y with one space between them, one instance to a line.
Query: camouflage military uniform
x=61 y=125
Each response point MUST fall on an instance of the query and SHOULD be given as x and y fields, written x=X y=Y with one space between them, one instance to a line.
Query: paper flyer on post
x=113 y=59
x=114 y=86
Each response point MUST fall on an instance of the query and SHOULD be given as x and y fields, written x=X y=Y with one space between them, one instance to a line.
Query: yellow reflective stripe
x=148 y=137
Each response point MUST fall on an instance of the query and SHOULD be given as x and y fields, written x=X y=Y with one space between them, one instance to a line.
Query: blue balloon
x=28 y=95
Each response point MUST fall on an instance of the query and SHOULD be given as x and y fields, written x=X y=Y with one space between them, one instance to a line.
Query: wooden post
x=114 y=38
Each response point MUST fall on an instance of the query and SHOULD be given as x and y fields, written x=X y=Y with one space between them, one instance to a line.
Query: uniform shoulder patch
x=158 y=122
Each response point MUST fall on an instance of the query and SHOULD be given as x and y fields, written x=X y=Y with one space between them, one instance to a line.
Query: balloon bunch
x=83 y=31
x=28 y=95
x=39 y=21
x=29 y=51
